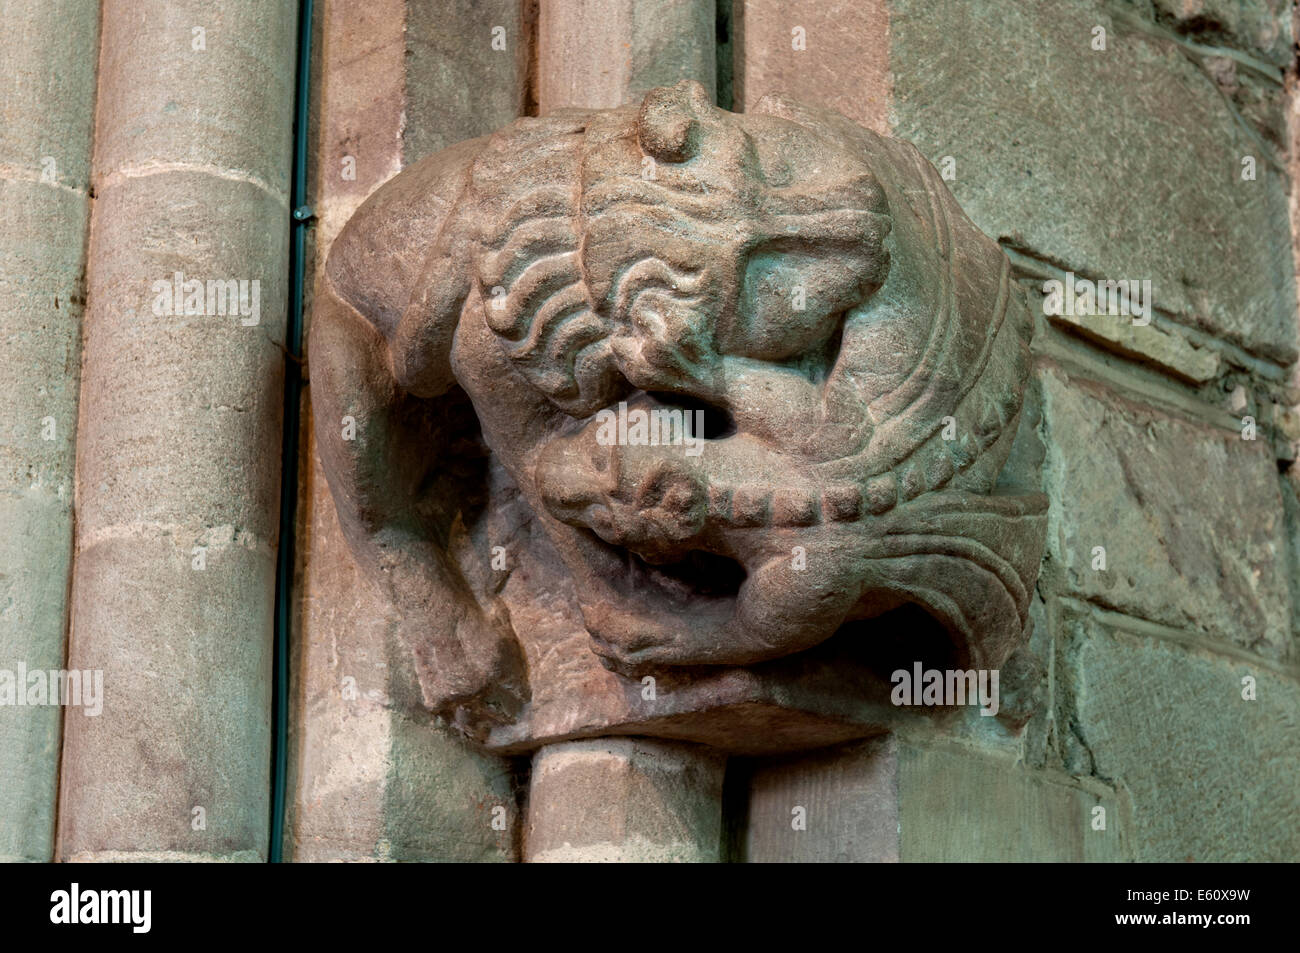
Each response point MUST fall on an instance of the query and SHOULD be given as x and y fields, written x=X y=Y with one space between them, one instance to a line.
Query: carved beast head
x=851 y=348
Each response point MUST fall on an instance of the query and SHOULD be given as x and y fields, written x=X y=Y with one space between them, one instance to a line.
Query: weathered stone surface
x=374 y=776
x=360 y=109
x=831 y=52
x=186 y=717
x=217 y=95
x=957 y=805
x=178 y=469
x=673 y=259
x=893 y=799
x=466 y=70
x=1258 y=27
x=1149 y=343
x=48 y=90
x=47 y=93
x=1210 y=774
x=624 y=800
x=35 y=556
x=1161 y=145
x=838 y=804
x=42 y=264
x=597 y=54
x=1190 y=516
x=178 y=397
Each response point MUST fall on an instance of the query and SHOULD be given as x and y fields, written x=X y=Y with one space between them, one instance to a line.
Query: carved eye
x=791 y=301
x=778 y=173
x=666 y=127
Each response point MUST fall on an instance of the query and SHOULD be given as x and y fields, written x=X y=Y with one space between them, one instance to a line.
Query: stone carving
x=503 y=330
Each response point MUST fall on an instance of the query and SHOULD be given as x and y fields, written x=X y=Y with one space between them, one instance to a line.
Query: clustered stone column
x=47 y=90
x=178 y=464
x=663 y=801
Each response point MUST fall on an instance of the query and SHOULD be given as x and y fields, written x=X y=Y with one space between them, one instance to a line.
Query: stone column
x=372 y=776
x=601 y=53
x=178 y=474
x=834 y=53
x=47 y=94
x=622 y=799
x=625 y=800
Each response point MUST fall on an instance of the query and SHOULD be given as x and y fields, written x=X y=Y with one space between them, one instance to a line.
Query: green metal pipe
x=302 y=215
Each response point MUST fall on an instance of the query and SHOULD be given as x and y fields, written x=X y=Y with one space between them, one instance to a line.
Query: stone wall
x=48 y=92
x=1111 y=140
x=1155 y=711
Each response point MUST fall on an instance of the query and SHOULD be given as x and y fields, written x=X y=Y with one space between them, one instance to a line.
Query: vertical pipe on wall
x=181 y=399
x=47 y=94
x=284 y=569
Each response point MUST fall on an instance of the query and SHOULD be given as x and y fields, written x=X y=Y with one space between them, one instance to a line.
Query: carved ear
x=667 y=126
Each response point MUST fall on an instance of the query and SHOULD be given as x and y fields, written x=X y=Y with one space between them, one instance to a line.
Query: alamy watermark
x=932 y=686
x=657 y=427
x=78 y=688
x=1083 y=298
x=215 y=297
x=130 y=907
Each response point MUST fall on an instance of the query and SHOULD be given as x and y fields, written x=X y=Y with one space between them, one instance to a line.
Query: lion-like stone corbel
x=512 y=321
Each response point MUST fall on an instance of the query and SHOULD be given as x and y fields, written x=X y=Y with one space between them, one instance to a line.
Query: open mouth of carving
x=898 y=639
x=697 y=575
x=706 y=421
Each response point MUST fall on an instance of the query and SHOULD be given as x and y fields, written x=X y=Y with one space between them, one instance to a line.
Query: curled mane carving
x=602 y=262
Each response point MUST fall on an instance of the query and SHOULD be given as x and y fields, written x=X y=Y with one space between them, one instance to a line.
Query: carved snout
x=652 y=500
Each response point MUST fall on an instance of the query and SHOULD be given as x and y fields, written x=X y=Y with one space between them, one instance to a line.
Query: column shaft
x=181 y=400
x=625 y=800
x=47 y=93
x=601 y=53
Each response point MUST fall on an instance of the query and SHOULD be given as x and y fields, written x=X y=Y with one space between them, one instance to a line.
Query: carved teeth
x=842 y=504
x=754 y=505
x=939 y=470
x=881 y=493
x=749 y=506
x=792 y=507
x=911 y=482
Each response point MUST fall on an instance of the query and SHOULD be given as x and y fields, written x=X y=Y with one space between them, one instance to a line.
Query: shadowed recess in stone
x=627 y=410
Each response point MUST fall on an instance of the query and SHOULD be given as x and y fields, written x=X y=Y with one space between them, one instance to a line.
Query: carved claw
x=477 y=678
